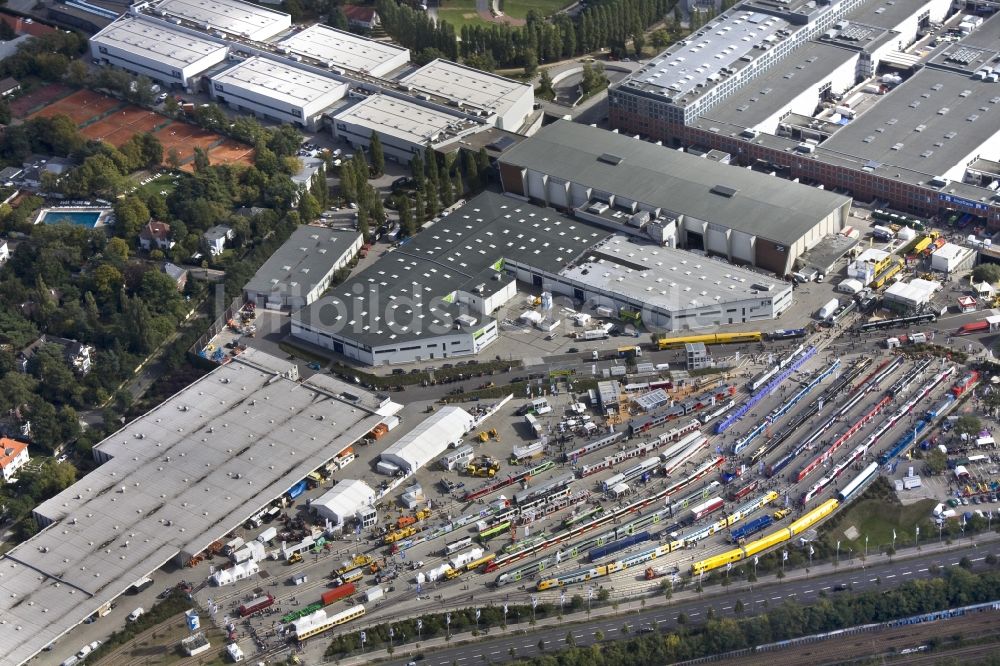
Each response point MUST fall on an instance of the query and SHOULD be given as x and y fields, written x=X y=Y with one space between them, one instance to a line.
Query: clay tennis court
x=184 y=139
x=80 y=107
x=230 y=152
x=119 y=126
x=24 y=105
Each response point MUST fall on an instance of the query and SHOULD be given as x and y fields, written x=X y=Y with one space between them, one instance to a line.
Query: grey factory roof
x=453 y=254
x=696 y=61
x=343 y=49
x=885 y=13
x=929 y=123
x=973 y=51
x=180 y=477
x=764 y=96
x=404 y=120
x=282 y=83
x=470 y=86
x=231 y=16
x=664 y=277
x=737 y=198
x=302 y=261
x=174 y=48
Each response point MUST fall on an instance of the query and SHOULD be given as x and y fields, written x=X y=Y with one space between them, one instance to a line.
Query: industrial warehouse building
x=270 y=89
x=302 y=268
x=404 y=127
x=693 y=203
x=436 y=297
x=166 y=55
x=172 y=482
x=824 y=93
x=510 y=101
x=314 y=76
x=345 y=50
x=231 y=18
x=345 y=501
x=429 y=439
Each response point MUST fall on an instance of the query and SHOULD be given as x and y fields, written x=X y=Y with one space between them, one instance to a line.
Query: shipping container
x=337 y=593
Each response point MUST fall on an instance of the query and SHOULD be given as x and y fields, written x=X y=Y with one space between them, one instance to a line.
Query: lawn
x=163 y=183
x=876 y=519
x=461 y=13
x=519 y=8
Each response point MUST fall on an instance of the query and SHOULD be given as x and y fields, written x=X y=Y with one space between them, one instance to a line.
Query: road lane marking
x=922 y=570
x=872 y=580
x=890 y=575
x=693 y=614
x=809 y=591
x=775 y=598
x=907 y=573
x=660 y=621
x=726 y=607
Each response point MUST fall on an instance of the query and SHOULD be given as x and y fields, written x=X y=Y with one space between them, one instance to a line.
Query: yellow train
x=708 y=339
x=769 y=541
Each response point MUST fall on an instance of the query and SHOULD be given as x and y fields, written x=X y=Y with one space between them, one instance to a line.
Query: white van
x=136 y=614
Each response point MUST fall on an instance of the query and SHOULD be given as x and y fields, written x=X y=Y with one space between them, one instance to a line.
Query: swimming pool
x=83 y=218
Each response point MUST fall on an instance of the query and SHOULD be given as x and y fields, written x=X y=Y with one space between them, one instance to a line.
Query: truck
x=593 y=334
x=337 y=593
x=373 y=594
x=140 y=585
x=665 y=570
x=267 y=535
x=255 y=605
x=828 y=309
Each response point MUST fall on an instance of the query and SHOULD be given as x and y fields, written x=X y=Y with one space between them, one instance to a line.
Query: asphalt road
x=878 y=576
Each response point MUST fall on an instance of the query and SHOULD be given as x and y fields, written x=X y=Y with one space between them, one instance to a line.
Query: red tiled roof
x=9 y=449
x=156 y=229
x=361 y=14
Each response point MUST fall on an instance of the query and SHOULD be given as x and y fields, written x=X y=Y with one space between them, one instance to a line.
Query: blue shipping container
x=297 y=489
x=604 y=551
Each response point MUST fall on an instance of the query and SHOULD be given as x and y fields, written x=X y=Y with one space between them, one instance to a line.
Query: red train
x=255 y=605
x=965 y=383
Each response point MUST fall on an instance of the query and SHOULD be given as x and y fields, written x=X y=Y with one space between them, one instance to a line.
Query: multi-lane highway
x=825 y=580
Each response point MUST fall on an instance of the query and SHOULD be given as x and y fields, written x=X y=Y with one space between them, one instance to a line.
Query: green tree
x=131 y=214
x=986 y=273
x=529 y=61
x=968 y=424
x=117 y=250
x=377 y=156
x=201 y=162
x=545 y=89
x=407 y=224
x=936 y=460
x=107 y=279
x=309 y=208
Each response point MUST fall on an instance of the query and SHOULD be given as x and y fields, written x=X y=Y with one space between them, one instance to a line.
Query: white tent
x=343 y=501
x=235 y=573
x=429 y=439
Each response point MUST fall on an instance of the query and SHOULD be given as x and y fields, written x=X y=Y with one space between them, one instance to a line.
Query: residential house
x=155 y=235
x=215 y=239
x=178 y=274
x=10 y=174
x=36 y=165
x=365 y=18
x=78 y=356
x=13 y=456
x=9 y=86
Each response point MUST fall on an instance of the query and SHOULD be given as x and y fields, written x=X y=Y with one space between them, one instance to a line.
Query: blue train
x=603 y=551
x=754 y=526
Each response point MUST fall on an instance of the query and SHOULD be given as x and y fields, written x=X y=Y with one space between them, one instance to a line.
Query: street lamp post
x=838 y=553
